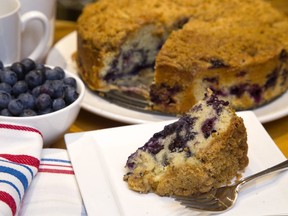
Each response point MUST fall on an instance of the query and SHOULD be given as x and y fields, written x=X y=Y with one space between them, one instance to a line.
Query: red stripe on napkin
x=22 y=159
x=56 y=165
x=56 y=171
x=9 y=200
x=21 y=128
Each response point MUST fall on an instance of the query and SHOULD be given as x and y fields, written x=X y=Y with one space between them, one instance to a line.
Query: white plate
x=60 y=55
x=99 y=157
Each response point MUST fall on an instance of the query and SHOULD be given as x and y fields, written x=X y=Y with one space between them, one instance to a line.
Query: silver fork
x=223 y=198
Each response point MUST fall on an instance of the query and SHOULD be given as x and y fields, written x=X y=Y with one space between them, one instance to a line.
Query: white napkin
x=20 y=150
x=54 y=190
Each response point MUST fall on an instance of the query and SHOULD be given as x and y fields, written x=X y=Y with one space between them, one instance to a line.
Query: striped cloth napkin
x=35 y=181
x=20 y=151
x=54 y=190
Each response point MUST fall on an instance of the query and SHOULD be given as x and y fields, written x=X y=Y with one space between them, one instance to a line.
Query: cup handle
x=41 y=47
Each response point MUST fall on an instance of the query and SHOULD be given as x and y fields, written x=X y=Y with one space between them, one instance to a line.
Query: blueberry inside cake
x=204 y=149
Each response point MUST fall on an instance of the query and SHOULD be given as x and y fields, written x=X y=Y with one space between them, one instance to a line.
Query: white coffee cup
x=12 y=24
x=34 y=30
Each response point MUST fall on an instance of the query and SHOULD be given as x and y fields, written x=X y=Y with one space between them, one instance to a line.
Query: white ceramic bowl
x=53 y=125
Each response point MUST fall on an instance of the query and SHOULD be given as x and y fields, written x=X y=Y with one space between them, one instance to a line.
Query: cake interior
x=136 y=57
x=132 y=68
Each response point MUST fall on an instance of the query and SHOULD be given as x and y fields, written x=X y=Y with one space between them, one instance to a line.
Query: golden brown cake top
x=249 y=32
x=108 y=22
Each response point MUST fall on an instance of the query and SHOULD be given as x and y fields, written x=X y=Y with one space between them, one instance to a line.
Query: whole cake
x=170 y=51
x=204 y=149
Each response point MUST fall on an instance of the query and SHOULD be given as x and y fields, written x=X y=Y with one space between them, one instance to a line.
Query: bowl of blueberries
x=47 y=98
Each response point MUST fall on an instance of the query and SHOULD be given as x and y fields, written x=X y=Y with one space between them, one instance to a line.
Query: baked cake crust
x=105 y=26
x=243 y=59
x=237 y=48
x=177 y=162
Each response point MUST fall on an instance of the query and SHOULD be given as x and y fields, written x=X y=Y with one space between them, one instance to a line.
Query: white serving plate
x=99 y=157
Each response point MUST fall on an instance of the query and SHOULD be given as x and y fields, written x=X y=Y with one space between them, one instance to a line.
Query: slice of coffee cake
x=204 y=149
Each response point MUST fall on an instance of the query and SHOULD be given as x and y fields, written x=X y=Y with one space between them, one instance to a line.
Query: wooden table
x=87 y=121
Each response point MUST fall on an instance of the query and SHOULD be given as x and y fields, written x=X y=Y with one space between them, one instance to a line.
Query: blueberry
x=29 y=64
x=5 y=87
x=217 y=63
x=56 y=73
x=19 y=69
x=58 y=88
x=35 y=78
x=70 y=95
x=43 y=101
x=153 y=146
x=54 y=88
x=47 y=88
x=183 y=133
x=9 y=77
x=238 y=90
x=28 y=112
x=4 y=99
x=36 y=91
x=216 y=103
x=255 y=92
x=58 y=104
x=61 y=72
x=27 y=100
x=271 y=79
x=70 y=81
x=19 y=87
x=5 y=112
x=16 y=107
x=208 y=127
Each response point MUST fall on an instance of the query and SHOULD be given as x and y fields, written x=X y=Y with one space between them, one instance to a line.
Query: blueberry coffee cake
x=204 y=149
x=170 y=51
x=244 y=65
x=118 y=40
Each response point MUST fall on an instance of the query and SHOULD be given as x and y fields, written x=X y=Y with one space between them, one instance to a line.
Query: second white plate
x=61 y=55
x=99 y=157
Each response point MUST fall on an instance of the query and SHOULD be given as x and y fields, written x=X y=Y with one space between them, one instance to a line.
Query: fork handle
x=278 y=167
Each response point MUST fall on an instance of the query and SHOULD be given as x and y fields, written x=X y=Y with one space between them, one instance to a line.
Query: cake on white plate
x=204 y=149
x=171 y=51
